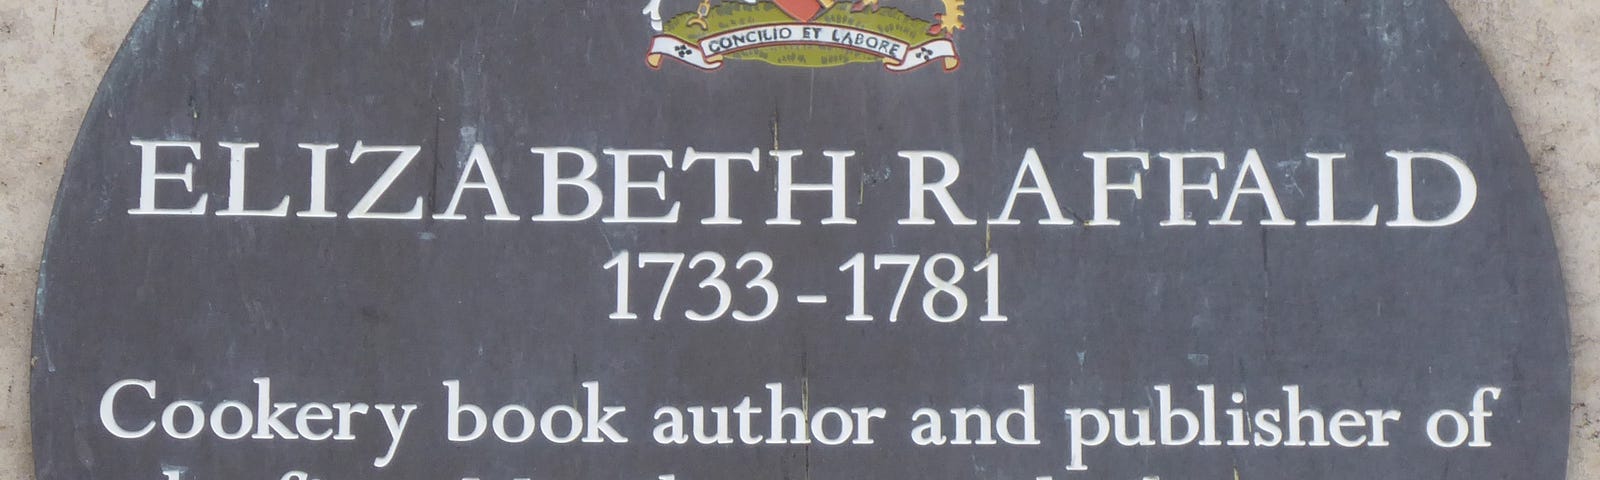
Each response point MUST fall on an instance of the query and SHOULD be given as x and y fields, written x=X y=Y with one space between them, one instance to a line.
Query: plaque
x=808 y=239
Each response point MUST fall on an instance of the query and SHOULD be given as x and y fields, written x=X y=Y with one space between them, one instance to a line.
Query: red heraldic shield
x=802 y=10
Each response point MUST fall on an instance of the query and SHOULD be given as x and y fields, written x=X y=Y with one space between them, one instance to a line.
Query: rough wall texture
x=1543 y=53
x=53 y=53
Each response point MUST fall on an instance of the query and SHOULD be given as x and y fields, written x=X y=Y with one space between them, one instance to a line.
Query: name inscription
x=930 y=176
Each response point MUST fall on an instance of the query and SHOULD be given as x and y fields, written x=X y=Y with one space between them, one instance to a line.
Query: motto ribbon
x=709 y=52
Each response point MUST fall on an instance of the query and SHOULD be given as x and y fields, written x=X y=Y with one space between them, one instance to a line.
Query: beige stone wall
x=1546 y=54
x=52 y=54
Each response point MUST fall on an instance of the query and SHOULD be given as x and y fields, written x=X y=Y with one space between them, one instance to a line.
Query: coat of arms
x=805 y=33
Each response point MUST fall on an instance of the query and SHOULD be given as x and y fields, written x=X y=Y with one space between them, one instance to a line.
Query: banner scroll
x=709 y=52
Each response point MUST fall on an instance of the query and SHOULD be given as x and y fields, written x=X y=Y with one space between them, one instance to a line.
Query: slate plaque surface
x=406 y=239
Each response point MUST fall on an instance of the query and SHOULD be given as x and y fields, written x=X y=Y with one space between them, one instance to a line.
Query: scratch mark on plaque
x=805 y=395
x=433 y=173
x=775 y=117
x=575 y=380
x=988 y=236
x=40 y=304
x=811 y=100
x=1199 y=59
x=1073 y=213
x=175 y=471
x=775 y=143
x=385 y=23
x=1266 y=270
x=870 y=178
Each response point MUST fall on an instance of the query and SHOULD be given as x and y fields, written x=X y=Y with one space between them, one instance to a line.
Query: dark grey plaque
x=1297 y=239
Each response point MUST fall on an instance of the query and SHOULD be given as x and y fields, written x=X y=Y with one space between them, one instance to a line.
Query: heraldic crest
x=805 y=33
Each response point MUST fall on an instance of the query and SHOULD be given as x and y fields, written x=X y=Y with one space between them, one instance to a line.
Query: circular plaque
x=744 y=239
